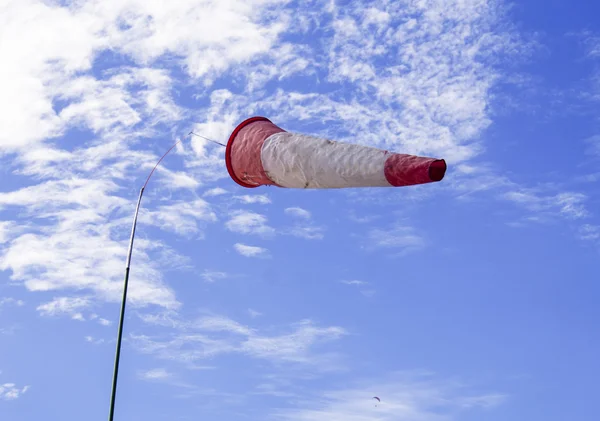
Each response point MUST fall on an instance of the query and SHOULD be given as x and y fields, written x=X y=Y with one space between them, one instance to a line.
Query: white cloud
x=181 y=217
x=433 y=95
x=92 y=340
x=543 y=203
x=362 y=219
x=591 y=42
x=354 y=282
x=566 y=204
x=304 y=228
x=70 y=306
x=40 y=66
x=398 y=237
x=224 y=324
x=253 y=313
x=8 y=330
x=589 y=232
x=213 y=276
x=68 y=233
x=9 y=391
x=155 y=374
x=293 y=346
x=298 y=212
x=11 y=301
x=260 y=199
x=593 y=145
x=192 y=342
x=361 y=285
x=308 y=232
x=6 y=230
x=104 y=322
x=251 y=251
x=76 y=244
x=245 y=222
x=403 y=397
x=433 y=98
x=217 y=191
x=177 y=179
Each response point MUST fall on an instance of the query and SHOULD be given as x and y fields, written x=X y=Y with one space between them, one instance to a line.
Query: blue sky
x=473 y=298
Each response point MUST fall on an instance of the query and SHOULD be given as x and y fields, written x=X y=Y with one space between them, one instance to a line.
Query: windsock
x=260 y=153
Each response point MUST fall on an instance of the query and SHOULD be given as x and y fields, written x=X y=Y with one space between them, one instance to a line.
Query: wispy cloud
x=354 y=282
x=9 y=391
x=362 y=287
x=433 y=94
x=298 y=212
x=245 y=222
x=217 y=335
x=308 y=232
x=181 y=217
x=433 y=97
x=253 y=313
x=213 y=275
x=403 y=397
x=102 y=321
x=11 y=301
x=59 y=69
x=92 y=340
x=217 y=191
x=155 y=374
x=566 y=204
x=589 y=232
x=591 y=42
x=6 y=230
x=402 y=238
x=303 y=226
x=361 y=219
x=76 y=247
x=71 y=306
x=251 y=251
x=69 y=232
x=593 y=144
x=259 y=199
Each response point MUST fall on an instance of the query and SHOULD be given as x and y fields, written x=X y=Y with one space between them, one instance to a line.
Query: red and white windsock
x=260 y=153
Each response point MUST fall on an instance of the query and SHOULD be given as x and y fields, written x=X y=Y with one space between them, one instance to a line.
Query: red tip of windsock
x=261 y=153
x=408 y=170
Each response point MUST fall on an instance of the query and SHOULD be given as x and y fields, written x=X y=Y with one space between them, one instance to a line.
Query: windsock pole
x=113 y=393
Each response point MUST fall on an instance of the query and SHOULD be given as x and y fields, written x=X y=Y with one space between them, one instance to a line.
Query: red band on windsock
x=242 y=155
x=408 y=170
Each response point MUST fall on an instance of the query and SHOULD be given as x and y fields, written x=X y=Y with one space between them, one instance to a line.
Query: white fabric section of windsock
x=301 y=161
x=260 y=153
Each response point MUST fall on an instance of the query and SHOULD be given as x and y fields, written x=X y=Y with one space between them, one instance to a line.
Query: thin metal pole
x=122 y=316
x=126 y=282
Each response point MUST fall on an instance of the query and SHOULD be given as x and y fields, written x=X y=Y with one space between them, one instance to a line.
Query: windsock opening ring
x=229 y=147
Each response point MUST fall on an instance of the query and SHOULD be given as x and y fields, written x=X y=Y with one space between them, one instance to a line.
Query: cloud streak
x=245 y=222
x=251 y=251
x=402 y=238
x=212 y=336
x=403 y=397
x=9 y=391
